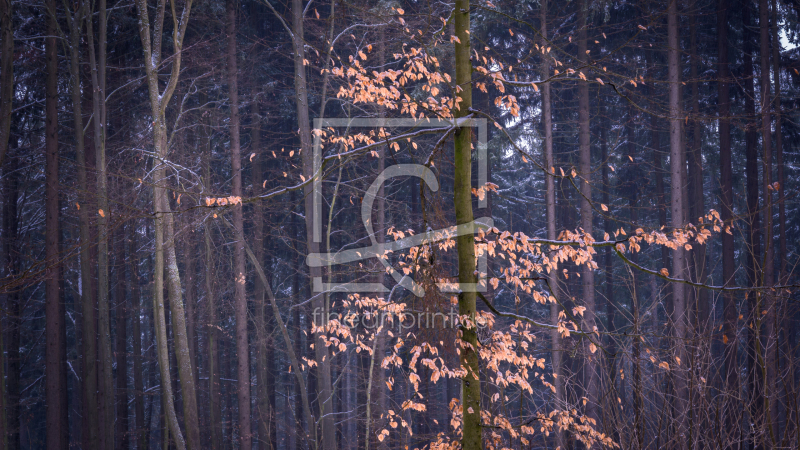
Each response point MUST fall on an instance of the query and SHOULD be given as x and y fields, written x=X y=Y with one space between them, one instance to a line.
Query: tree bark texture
x=679 y=266
x=465 y=244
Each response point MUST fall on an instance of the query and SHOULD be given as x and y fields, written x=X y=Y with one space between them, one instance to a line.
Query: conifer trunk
x=776 y=75
x=121 y=428
x=140 y=433
x=585 y=168
x=264 y=348
x=6 y=76
x=770 y=343
x=54 y=318
x=240 y=298
x=88 y=318
x=212 y=339
x=105 y=375
x=753 y=252
x=6 y=94
x=11 y=191
x=679 y=266
x=550 y=200
x=729 y=427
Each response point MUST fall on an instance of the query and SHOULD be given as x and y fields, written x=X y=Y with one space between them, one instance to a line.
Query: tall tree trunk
x=782 y=314
x=324 y=388
x=191 y=294
x=753 y=251
x=88 y=318
x=591 y=378
x=380 y=230
x=770 y=318
x=6 y=95
x=54 y=318
x=12 y=306
x=212 y=339
x=240 y=298
x=776 y=74
x=695 y=185
x=632 y=188
x=264 y=349
x=98 y=76
x=6 y=76
x=729 y=425
x=298 y=384
x=140 y=433
x=677 y=163
x=121 y=438
x=164 y=222
x=550 y=200
x=465 y=244
x=696 y=257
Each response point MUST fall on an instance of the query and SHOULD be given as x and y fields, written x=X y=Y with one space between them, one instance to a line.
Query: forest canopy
x=397 y=224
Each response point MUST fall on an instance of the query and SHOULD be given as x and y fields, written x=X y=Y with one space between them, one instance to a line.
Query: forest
x=399 y=224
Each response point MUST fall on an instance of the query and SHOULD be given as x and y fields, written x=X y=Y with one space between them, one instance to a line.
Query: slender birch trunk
x=164 y=224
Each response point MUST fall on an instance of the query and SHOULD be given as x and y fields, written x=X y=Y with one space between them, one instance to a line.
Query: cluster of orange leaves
x=223 y=201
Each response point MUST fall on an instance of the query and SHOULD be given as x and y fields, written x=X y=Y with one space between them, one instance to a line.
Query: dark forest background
x=156 y=208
